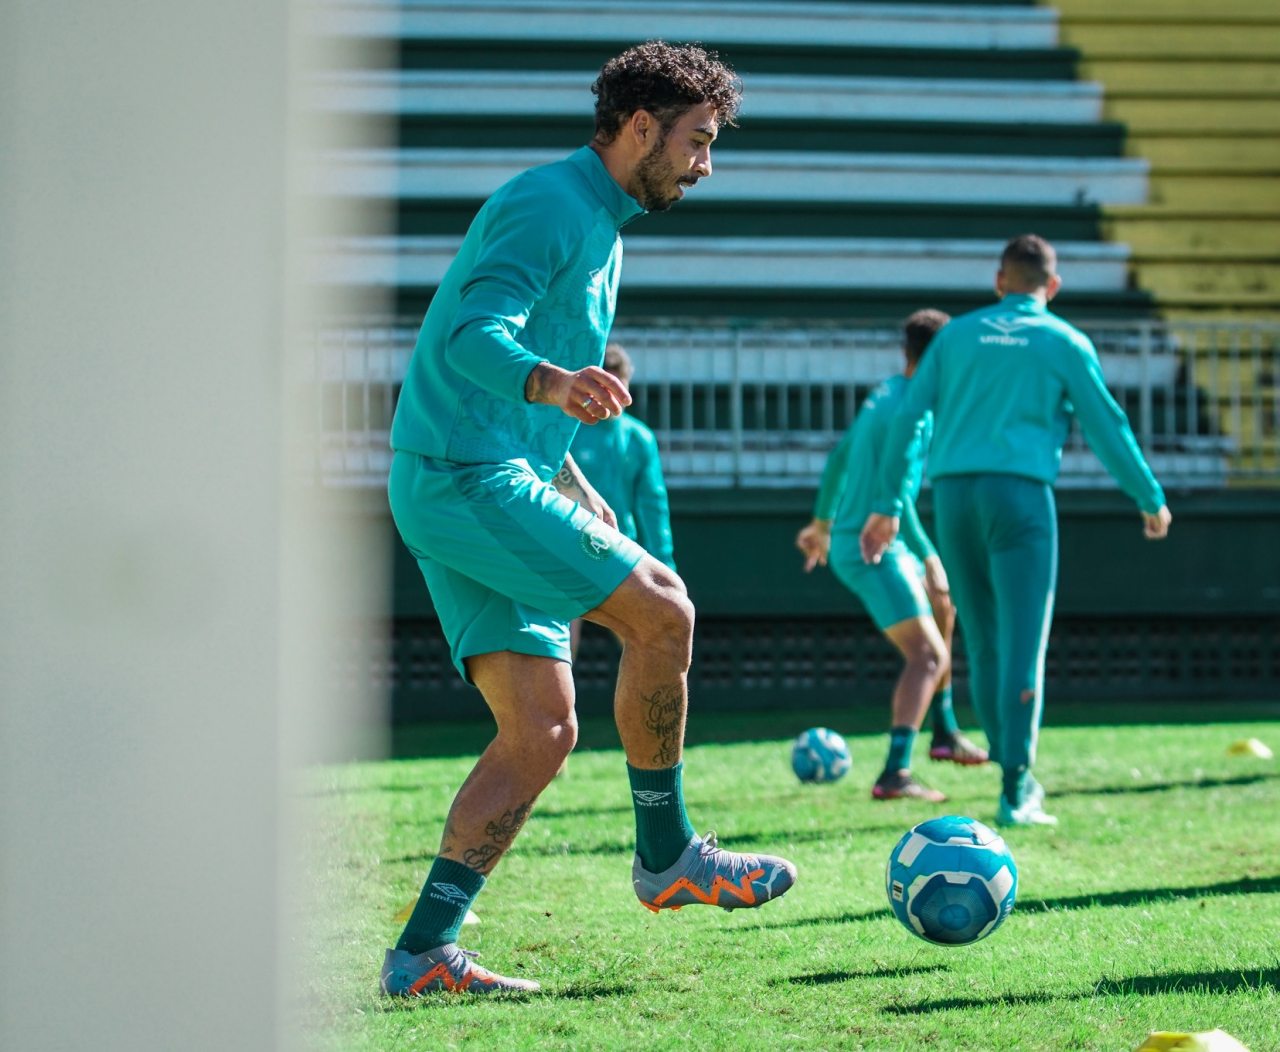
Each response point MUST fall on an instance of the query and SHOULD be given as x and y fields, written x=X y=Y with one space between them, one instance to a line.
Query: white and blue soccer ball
x=820 y=755
x=951 y=880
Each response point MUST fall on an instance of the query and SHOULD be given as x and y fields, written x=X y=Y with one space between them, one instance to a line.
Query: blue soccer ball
x=951 y=880
x=820 y=755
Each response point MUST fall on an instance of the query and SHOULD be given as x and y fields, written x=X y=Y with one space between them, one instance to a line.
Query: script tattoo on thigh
x=665 y=721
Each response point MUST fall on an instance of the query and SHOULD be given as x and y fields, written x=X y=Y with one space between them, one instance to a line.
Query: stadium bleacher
x=886 y=151
x=862 y=124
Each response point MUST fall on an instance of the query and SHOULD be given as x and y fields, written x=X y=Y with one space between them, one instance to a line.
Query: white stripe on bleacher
x=713 y=263
x=751 y=175
x=541 y=93
x=718 y=24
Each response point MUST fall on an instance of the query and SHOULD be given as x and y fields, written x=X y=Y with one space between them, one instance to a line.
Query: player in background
x=619 y=457
x=514 y=543
x=1003 y=383
x=906 y=592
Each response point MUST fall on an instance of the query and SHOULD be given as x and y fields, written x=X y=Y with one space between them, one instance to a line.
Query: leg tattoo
x=665 y=721
x=501 y=831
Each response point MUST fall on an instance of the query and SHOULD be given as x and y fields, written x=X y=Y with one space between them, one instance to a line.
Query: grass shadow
x=822 y=921
x=1134 y=896
x=824 y=978
x=1222 y=982
x=592 y=991
x=1161 y=787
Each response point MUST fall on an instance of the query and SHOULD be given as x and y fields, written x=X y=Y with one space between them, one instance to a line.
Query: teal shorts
x=892 y=590
x=508 y=559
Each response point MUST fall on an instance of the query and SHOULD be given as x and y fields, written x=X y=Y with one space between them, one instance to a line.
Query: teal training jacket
x=536 y=279
x=852 y=473
x=1003 y=383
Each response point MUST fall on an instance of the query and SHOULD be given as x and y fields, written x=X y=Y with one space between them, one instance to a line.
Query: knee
x=930 y=658
x=665 y=621
x=549 y=741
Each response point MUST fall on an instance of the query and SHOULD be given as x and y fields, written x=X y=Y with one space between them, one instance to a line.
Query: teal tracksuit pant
x=998 y=538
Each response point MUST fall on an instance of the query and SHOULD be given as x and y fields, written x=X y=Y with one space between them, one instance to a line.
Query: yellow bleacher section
x=1197 y=82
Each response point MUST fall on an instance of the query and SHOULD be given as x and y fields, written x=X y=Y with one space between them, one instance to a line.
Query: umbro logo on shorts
x=449 y=893
x=649 y=798
x=595 y=539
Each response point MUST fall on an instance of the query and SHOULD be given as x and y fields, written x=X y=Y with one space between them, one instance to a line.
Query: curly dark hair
x=665 y=79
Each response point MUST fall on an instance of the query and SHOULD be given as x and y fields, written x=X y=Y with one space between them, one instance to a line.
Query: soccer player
x=906 y=592
x=514 y=543
x=619 y=457
x=1003 y=383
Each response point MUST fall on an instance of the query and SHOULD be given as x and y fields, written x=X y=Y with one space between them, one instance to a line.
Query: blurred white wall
x=158 y=676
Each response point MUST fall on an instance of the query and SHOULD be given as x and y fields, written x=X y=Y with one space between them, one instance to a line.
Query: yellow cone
x=405 y=913
x=1250 y=747
x=1207 y=1041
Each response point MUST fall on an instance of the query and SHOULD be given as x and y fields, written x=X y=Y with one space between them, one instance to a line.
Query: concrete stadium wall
x=1196 y=616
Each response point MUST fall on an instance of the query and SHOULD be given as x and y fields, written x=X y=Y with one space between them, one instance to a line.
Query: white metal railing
x=762 y=404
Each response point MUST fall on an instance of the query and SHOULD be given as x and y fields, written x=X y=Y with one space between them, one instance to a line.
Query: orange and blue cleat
x=705 y=874
x=446 y=969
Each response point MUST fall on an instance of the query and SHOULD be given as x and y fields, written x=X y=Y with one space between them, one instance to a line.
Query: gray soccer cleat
x=706 y=874
x=445 y=969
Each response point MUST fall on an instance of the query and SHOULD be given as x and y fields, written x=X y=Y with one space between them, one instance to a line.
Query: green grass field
x=1155 y=904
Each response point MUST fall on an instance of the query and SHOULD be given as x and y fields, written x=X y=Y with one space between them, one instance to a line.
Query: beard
x=655 y=179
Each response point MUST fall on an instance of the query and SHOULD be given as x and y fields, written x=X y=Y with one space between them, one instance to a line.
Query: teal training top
x=851 y=475
x=1003 y=383
x=536 y=279
x=620 y=459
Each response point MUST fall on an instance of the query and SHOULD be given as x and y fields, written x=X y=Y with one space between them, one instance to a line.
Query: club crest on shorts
x=596 y=539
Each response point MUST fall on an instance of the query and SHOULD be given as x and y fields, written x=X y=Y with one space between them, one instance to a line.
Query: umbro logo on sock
x=449 y=893
x=649 y=798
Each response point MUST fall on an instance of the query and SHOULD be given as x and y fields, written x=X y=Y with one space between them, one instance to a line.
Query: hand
x=595 y=504
x=1156 y=527
x=589 y=395
x=570 y=481
x=878 y=533
x=815 y=542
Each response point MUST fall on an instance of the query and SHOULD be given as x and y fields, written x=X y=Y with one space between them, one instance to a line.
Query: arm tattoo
x=665 y=721
x=535 y=385
x=568 y=480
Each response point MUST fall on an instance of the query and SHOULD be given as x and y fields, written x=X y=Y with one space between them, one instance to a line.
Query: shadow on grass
x=821 y=921
x=1134 y=896
x=1161 y=787
x=823 y=978
x=463 y=737
x=1243 y=886
x=450 y=1001
x=1142 y=985
x=591 y=991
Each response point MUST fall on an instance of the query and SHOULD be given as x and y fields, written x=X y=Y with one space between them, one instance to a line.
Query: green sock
x=1017 y=782
x=901 y=741
x=944 y=715
x=663 y=830
x=450 y=890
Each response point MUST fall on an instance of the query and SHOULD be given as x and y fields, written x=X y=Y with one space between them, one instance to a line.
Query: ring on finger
x=586 y=402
